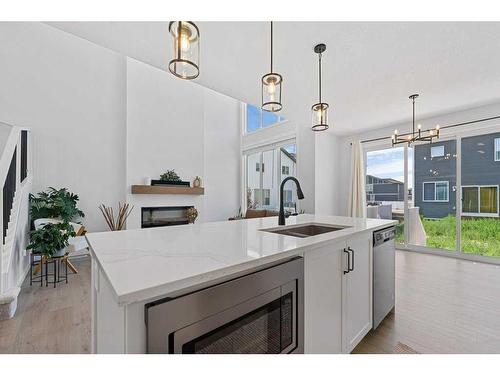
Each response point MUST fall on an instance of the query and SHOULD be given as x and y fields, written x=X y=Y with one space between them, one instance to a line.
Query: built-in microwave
x=259 y=313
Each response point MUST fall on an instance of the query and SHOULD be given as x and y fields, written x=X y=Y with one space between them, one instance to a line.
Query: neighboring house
x=384 y=189
x=436 y=171
x=276 y=165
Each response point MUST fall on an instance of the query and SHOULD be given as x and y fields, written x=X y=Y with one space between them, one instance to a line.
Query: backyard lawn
x=479 y=235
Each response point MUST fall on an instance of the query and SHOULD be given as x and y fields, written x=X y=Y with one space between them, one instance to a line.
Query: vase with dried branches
x=124 y=210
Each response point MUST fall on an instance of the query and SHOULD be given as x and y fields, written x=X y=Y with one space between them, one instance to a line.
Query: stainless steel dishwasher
x=383 y=273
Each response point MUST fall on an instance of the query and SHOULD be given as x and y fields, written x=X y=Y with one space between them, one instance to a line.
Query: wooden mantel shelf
x=158 y=189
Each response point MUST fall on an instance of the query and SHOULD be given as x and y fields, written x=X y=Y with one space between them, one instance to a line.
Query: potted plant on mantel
x=170 y=178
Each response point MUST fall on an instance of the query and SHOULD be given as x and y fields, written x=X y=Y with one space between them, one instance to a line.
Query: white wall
x=344 y=173
x=327 y=168
x=71 y=94
x=175 y=124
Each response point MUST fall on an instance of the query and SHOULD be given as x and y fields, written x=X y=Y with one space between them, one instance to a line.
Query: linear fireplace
x=163 y=216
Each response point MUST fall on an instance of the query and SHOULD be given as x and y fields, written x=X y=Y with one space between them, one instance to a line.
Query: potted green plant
x=55 y=204
x=170 y=177
x=51 y=239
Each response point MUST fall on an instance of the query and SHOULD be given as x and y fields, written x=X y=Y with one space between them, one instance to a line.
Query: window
x=437 y=151
x=262 y=184
x=436 y=191
x=257 y=119
x=497 y=149
x=480 y=200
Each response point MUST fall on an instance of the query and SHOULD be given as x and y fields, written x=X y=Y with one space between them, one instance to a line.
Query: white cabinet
x=323 y=299
x=338 y=305
x=357 y=291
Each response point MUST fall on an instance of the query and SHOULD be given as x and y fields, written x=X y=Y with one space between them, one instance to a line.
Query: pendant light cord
x=271 y=46
x=319 y=77
x=413 y=133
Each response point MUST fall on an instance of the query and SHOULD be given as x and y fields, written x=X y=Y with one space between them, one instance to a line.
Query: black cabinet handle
x=351 y=264
x=348 y=262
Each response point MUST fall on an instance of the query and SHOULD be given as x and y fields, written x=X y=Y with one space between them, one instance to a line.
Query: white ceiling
x=369 y=69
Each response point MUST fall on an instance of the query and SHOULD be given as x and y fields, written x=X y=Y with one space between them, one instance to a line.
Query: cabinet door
x=323 y=299
x=357 y=292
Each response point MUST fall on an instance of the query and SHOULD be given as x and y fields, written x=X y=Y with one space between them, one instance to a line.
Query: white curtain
x=357 y=195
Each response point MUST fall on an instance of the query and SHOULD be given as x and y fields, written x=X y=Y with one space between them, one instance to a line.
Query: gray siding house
x=435 y=177
x=383 y=189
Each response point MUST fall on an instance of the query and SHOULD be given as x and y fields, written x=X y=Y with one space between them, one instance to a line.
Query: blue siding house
x=435 y=177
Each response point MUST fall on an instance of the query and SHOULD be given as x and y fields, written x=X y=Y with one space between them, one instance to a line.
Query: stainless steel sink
x=305 y=230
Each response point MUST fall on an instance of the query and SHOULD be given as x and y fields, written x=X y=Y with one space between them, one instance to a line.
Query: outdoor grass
x=480 y=236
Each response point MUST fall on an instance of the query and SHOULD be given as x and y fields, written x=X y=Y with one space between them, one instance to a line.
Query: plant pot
x=170 y=183
x=60 y=253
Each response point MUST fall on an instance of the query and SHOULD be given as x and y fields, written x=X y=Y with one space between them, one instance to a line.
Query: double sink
x=305 y=230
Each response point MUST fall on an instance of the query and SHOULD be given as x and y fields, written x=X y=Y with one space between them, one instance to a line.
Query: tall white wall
x=71 y=94
x=175 y=124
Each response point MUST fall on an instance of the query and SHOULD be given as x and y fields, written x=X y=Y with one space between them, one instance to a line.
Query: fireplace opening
x=163 y=216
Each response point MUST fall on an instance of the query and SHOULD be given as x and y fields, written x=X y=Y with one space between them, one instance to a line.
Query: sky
x=389 y=163
x=253 y=118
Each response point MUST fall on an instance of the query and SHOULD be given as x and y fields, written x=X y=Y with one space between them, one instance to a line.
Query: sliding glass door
x=480 y=174
x=452 y=202
x=432 y=216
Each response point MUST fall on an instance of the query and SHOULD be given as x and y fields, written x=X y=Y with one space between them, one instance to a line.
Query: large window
x=453 y=209
x=265 y=171
x=257 y=119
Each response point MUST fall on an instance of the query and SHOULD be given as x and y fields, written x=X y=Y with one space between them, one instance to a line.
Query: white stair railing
x=15 y=164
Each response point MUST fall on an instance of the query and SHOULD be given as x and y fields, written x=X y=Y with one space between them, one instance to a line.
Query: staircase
x=15 y=185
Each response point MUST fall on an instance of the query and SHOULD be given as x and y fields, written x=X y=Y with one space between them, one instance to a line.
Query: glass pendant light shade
x=319 y=116
x=320 y=109
x=271 y=86
x=271 y=92
x=186 y=43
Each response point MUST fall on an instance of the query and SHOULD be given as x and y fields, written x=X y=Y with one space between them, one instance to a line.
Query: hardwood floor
x=443 y=305
x=51 y=320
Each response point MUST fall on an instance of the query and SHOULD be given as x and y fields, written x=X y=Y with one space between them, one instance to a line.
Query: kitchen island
x=132 y=269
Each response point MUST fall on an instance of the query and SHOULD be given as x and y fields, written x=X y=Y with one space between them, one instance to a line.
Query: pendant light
x=271 y=86
x=418 y=135
x=320 y=109
x=186 y=42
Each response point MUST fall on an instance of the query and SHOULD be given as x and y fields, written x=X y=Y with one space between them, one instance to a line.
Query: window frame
x=481 y=214
x=496 y=149
x=436 y=147
x=435 y=191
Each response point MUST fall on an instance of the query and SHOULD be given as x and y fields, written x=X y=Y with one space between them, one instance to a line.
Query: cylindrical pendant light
x=186 y=41
x=271 y=86
x=320 y=109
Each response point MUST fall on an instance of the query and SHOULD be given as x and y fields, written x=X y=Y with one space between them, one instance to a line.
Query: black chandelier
x=320 y=109
x=271 y=86
x=416 y=136
x=185 y=63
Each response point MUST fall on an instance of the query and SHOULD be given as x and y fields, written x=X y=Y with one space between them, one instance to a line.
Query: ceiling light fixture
x=185 y=63
x=416 y=136
x=320 y=109
x=271 y=86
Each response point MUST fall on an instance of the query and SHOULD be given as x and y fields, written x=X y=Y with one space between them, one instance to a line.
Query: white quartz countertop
x=142 y=264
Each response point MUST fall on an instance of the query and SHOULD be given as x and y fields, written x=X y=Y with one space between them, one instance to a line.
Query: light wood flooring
x=51 y=320
x=443 y=305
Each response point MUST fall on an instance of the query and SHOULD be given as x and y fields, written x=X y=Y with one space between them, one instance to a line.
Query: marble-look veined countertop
x=145 y=263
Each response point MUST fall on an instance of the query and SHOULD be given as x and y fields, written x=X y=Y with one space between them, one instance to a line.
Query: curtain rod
x=442 y=127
